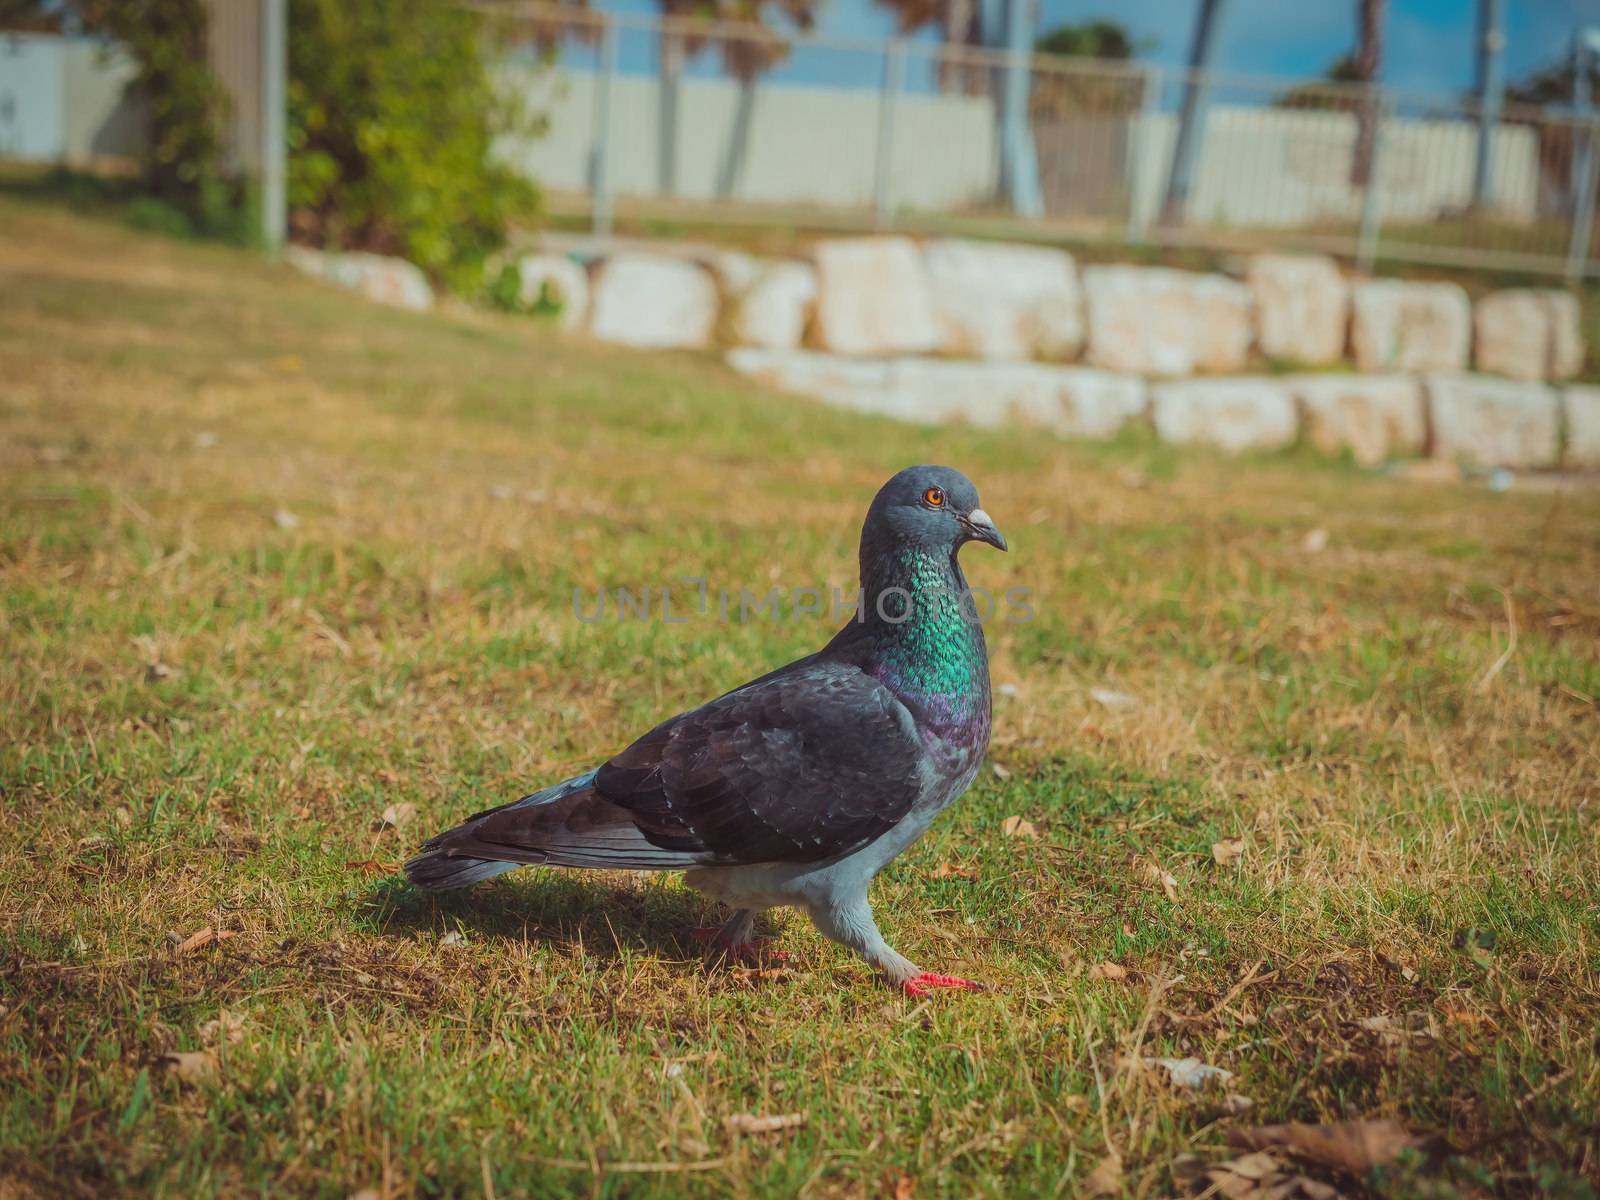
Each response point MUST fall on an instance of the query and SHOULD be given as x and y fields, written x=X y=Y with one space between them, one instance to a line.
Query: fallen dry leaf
x=226 y=1027
x=1235 y=1104
x=1106 y=1178
x=1000 y=773
x=1016 y=827
x=387 y=776
x=1415 y=1026
x=772 y=1123
x=372 y=866
x=1253 y=1177
x=1429 y=470
x=1189 y=1072
x=1227 y=852
x=191 y=1066
x=899 y=1186
x=1354 y=1147
x=1167 y=882
x=202 y=938
x=396 y=815
x=1254 y=1166
x=762 y=973
x=1111 y=699
x=1260 y=1177
x=1108 y=970
x=949 y=871
x=1405 y=972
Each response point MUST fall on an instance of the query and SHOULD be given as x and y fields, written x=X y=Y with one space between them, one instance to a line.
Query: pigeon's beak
x=980 y=528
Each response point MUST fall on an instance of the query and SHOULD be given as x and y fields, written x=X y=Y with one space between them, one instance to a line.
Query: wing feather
x=799 y=766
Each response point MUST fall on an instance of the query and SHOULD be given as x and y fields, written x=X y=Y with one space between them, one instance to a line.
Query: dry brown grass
x=273 y=561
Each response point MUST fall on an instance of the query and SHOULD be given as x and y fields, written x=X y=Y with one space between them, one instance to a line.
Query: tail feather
x=567 y=825
x=439 y=871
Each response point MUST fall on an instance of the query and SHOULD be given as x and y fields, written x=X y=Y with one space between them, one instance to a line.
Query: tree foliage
x=1073 y=93
x=960 y=23
x=745 y=55
x=1095 y=39
x=185 y=159
x=1551 y=86
x=392 y=120
x=34 y=15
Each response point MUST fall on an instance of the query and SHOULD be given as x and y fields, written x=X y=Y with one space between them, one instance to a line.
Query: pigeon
x=799 y=787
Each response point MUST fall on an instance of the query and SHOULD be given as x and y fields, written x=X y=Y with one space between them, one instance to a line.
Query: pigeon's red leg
x=756 y=950
x=736 y=940
x=848 y=921
x=919 y=986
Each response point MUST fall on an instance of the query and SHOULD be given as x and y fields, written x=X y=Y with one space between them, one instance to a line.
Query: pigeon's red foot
x=755 y=950
x=919 y=986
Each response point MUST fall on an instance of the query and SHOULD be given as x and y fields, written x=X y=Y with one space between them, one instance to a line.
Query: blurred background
x=1420 y=131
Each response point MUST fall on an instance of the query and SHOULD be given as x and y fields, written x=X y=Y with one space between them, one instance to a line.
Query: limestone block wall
x=993 y=334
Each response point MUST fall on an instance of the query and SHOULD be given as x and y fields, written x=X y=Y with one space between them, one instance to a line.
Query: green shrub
x=185 y=164
x=502 y=289
x=391 y=120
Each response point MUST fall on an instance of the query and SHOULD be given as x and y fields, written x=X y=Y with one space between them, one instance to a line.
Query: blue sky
x=1429 y=42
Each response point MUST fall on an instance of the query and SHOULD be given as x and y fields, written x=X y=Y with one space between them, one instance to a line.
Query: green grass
x=272 y=561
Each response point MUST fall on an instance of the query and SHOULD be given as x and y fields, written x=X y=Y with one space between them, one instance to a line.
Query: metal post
x=1019 y=164
x=1491 y=93
x=1192 y=118
x=1585 y=43
x=1139 y=137
x=274 y=124
x=1372 y=193
x=1583 y=210
x=667 y=115
x=894 y=73
x=600 y=151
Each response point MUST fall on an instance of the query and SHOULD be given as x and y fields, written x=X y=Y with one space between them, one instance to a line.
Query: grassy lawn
x=273 y=562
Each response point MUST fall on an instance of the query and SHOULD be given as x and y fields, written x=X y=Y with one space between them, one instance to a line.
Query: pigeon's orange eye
x=933 y=497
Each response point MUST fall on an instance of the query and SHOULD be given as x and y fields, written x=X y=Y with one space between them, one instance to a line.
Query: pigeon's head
x=932 y=507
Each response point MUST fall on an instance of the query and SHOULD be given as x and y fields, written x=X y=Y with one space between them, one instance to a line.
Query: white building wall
x=807 y=145
x=64 y=100
x=99 y=118
x=1258 y=166
x=1289 y=167
x=31 y=116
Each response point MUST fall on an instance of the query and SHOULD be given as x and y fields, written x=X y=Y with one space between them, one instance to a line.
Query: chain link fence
x=680 y=117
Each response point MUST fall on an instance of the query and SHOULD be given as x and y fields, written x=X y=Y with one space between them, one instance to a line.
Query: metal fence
x=698 y=119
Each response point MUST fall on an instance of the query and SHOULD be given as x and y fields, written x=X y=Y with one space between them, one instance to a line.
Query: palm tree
x=961 y=24
x=1361 y=66
x=744 y=57
x=995 y=24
